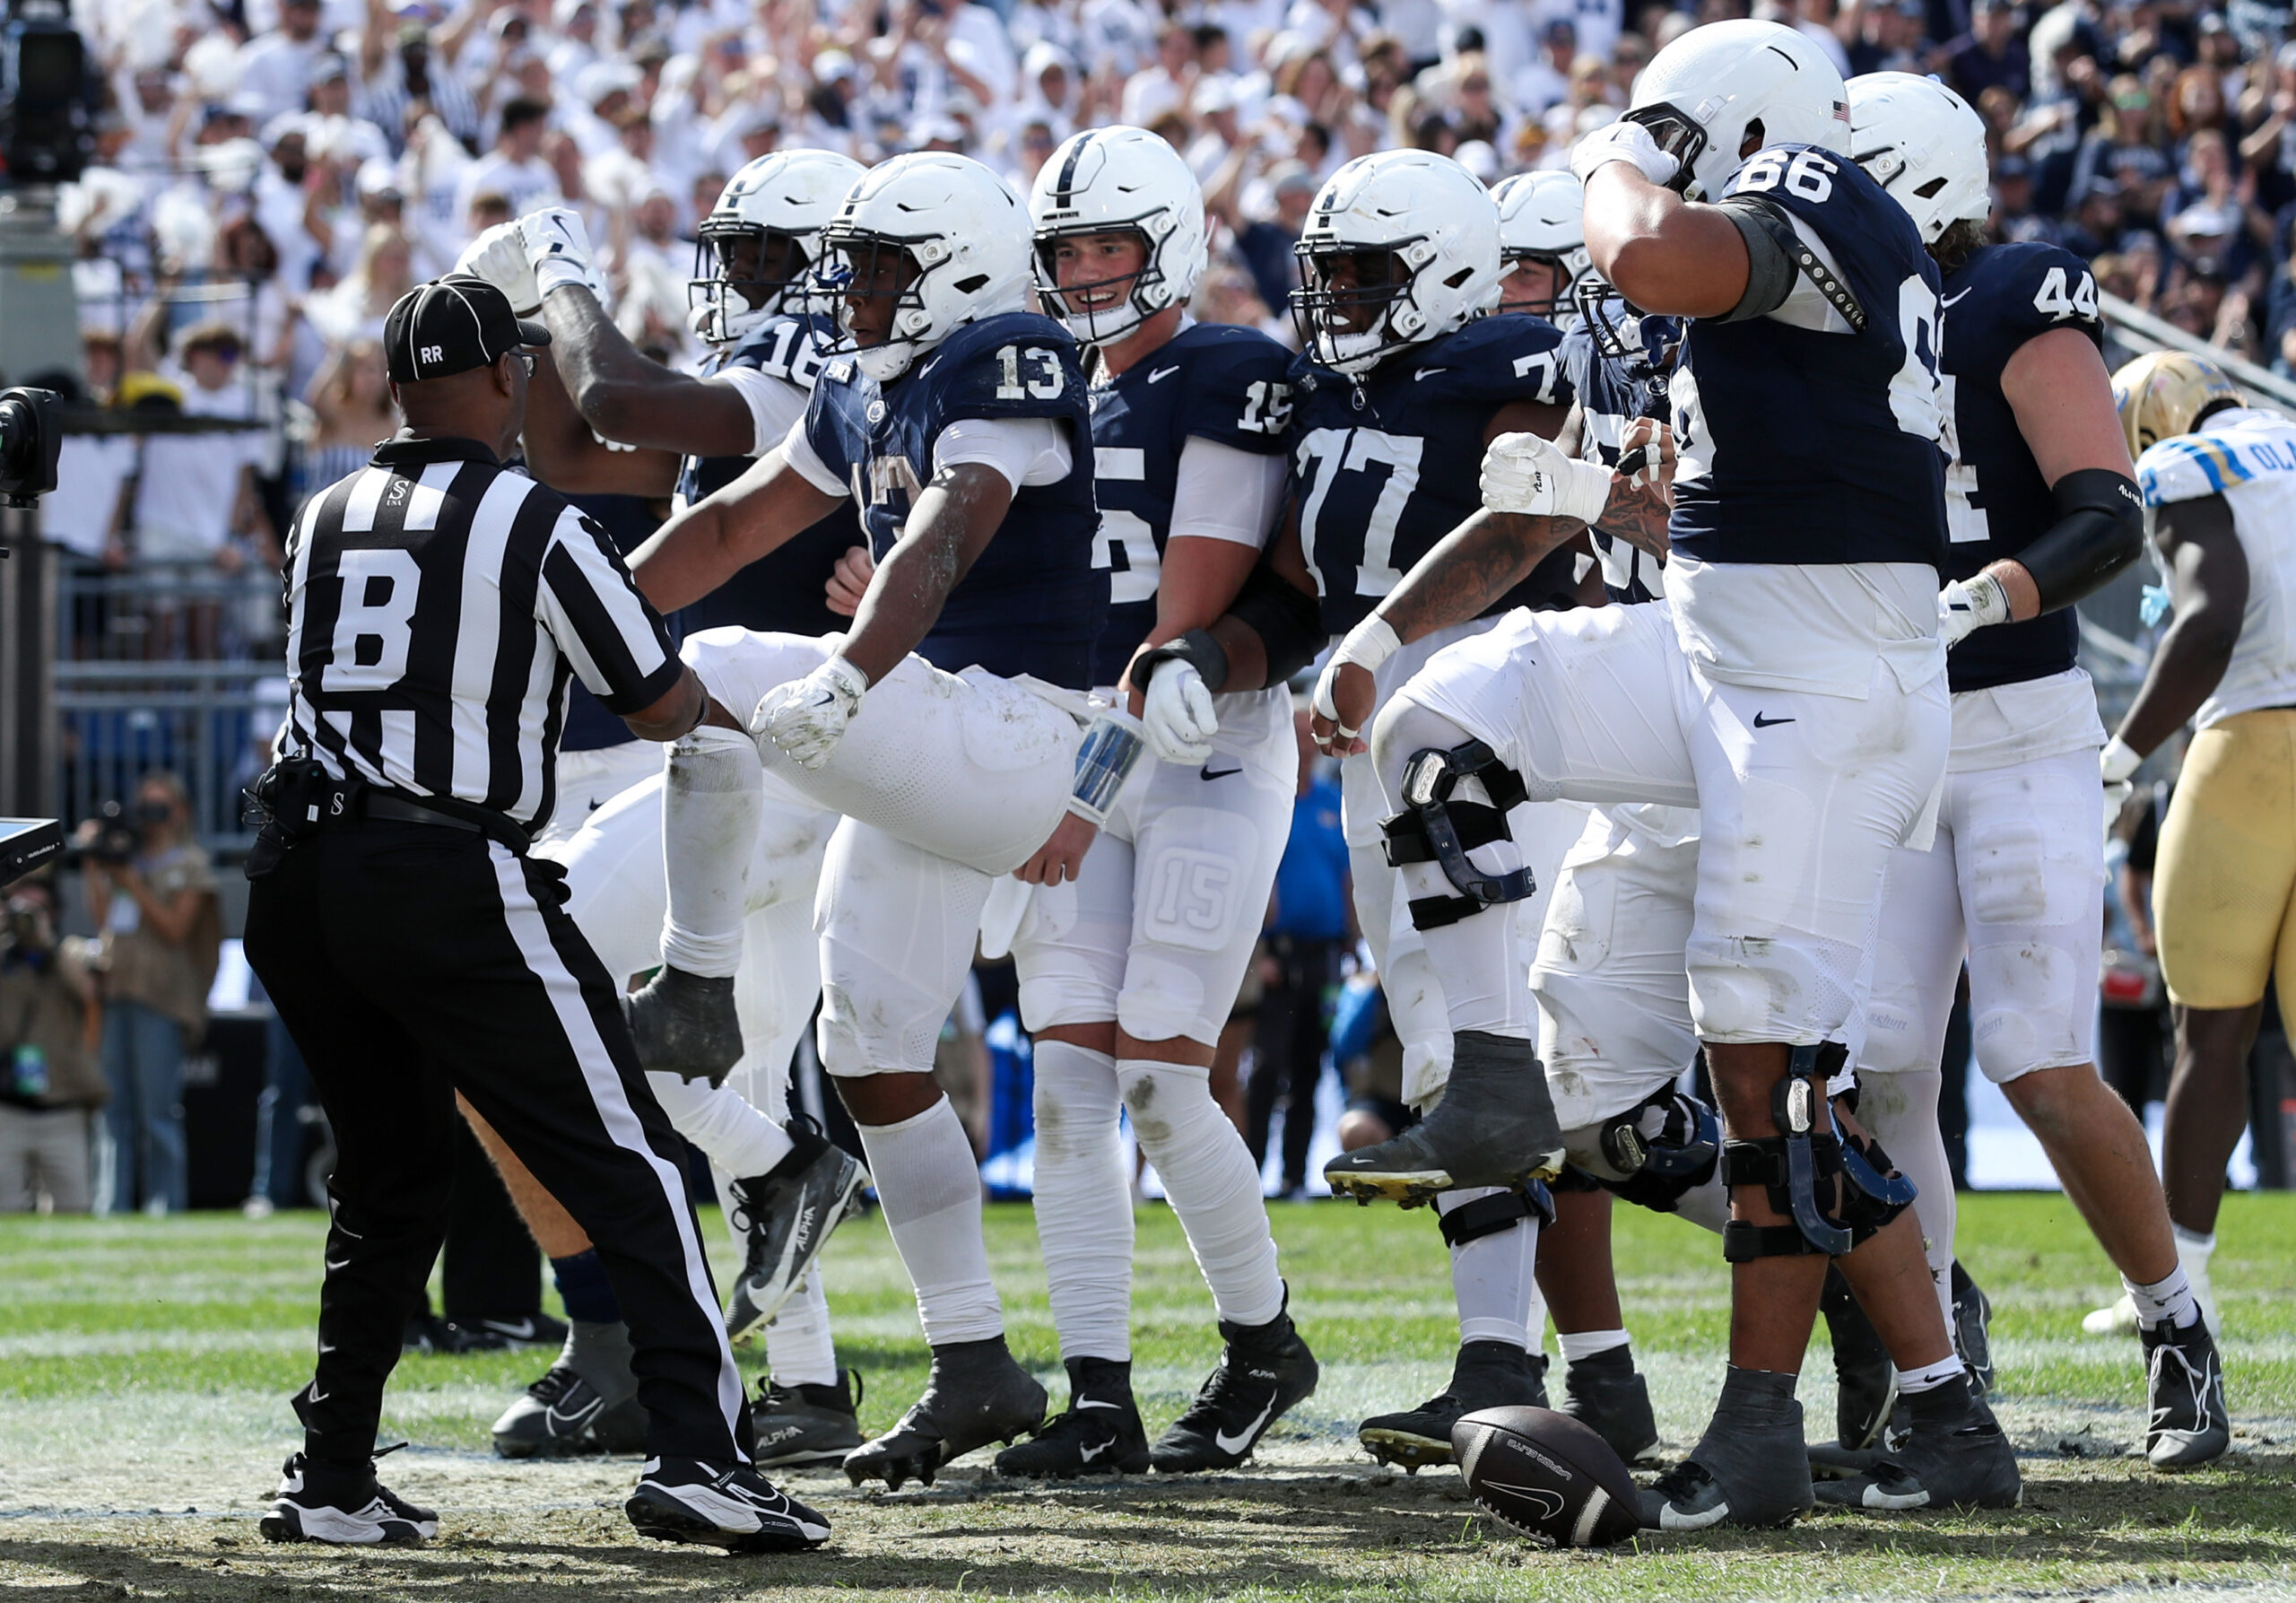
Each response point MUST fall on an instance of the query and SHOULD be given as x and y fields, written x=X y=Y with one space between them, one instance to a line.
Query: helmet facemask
x=1678 y=134
x=1561 y=298
x=744 y=273
x=886 y=275
x=1093 y=316
x=1354 y=306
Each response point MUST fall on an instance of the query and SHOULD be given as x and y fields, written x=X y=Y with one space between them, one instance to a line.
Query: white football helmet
x=1419 y=237
x=1701 y=95
x=760 y=243
x=1539 y=222
x=965 y=244
x=1924 y=145
x=1105 y=181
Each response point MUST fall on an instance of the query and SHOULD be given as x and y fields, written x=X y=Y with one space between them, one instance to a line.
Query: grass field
x=145 y=1368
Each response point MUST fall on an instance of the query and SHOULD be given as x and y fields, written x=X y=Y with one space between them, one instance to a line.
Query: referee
x=437 y=604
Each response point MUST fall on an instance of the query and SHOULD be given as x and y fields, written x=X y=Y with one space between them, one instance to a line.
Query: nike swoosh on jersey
x=1427 y=374
x=1764 y=723
x=1206 y=771
x=1964 y=295
x=1161 y=374
x=1237 y=1443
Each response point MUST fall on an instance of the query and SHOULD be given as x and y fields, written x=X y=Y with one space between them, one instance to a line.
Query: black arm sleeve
x=1771 y=245
x=1287 y=620
x=1197 y=648
x=2100 y=529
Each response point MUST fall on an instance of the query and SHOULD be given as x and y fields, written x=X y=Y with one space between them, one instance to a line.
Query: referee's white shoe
x=685 y=1499
x=342 y=1504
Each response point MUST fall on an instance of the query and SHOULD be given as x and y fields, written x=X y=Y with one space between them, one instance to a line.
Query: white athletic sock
x=1211 y=1183
x=740 y=1142
x=710 y=809
x=2194 y=1250
x=2169 y=1299
x=798 y=1346
x=1084 y=1201
x=1585 y=1344
x=930 y=1188
x=1898 y=1109
x=1930 y=1376
x=1485 y=986
x=1491 y=1277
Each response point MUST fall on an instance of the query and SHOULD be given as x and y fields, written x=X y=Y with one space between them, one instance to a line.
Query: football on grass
x=1545 y=1475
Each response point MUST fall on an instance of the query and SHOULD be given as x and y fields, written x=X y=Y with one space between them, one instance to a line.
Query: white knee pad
x=1788 y=987
x=897 y=926
x=738 y=665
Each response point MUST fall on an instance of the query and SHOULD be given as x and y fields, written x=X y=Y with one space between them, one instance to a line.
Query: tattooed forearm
x=1474 y=566
x=1638 y=514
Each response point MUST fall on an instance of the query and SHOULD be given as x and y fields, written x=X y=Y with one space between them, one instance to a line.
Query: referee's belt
x=345 y=803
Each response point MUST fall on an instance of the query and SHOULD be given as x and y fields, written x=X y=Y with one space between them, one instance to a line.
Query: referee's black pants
x=411 y=961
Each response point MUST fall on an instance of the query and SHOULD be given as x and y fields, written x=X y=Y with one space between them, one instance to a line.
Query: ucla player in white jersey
x=786 y=1188
x=1808 y=487
x=2042 y=510
x=2218 y=481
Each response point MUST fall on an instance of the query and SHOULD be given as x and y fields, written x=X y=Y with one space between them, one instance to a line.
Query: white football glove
x=557 y=248
x=1368 y=645
x=1524 y=474
x=1969 y=605
x=2116 y=764
x=1622 y=141
x=806 y=718
x=498 y=255
x=1178 y=712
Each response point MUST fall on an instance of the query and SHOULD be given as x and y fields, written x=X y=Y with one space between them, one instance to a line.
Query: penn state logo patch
x=876 y=412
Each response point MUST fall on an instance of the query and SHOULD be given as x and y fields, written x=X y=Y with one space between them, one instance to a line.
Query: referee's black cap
x=451 y=325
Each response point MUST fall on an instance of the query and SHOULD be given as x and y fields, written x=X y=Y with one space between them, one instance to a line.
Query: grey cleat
x=1607 y=1395
x=1486 y=1375
x=807 y=1424
x=1954 y=1455
x=684 y=1024
x=787 y=1214
x=2184 y=1388
x=975 y=1394
x=588 y=1403
x=1494 y=1126
x=1748 y=1470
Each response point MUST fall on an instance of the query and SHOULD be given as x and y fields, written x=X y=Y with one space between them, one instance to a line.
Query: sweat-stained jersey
x=1033 y=603
x=1381 y=470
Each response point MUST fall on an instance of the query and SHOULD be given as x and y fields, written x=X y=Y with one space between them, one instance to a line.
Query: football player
x=1403 y=380
x=947 y=725
x=1808 y=488
x=2041 y=509
x=1131 y=952
x=1540 y=244
x=786 y=1188
x=2216 y=476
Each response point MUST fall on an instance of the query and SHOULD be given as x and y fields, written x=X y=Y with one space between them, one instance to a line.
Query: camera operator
x=151 y=891
x=50 y=1085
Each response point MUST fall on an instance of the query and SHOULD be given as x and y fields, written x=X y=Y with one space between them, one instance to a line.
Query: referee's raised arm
x=439 y=602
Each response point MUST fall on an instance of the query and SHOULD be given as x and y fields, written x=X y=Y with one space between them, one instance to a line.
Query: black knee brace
x=1661 y=1170
x=1439 y=830
x=1502 y=1210
x=1798 y=1167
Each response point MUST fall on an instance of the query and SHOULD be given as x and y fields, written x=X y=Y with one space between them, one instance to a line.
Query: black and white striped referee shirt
x=437 y=602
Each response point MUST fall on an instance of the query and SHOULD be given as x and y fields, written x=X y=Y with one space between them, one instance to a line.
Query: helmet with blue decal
x=1723 y=91
x=1400 y=247
x=1118 y=180
x=761 y=244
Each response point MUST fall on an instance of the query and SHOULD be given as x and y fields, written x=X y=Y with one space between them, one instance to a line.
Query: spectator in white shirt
x=514 y=169
x=275 y=68
x=195 y=492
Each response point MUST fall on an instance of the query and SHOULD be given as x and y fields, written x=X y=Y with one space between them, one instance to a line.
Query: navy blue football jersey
x=1807 y=446
x=1612 y=391
x=1383 y=469
x=1215 y=381
x=787 y=588
x=1033 y=603
x=1996 y=502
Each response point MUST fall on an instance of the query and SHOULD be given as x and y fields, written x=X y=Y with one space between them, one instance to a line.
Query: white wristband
x=2117 y=760
x=1585 y=491
x=557 y=272
x=1372 y=642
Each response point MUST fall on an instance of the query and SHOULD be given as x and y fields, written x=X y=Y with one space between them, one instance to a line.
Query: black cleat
x=975 y=1395
x=1747 y=1469
x=2184 y=1388
x=426 y=1332
x=685 y=1024
x=1264 y=1371
x=1607 y=1395
x=1954 y=1455
x=685 y=1499
x=342 y=1504
x=1101 y=1433
x=807 y=1424
x=1486 y=1375
x=1865 y=1381
x=787 y=1214
x=1973 y=1328
x=1494 y=1126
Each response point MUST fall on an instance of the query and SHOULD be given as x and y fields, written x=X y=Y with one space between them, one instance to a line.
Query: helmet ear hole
x=1931 y=187
x=1754 y=140
x=967 y=286
x=1459 y=278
